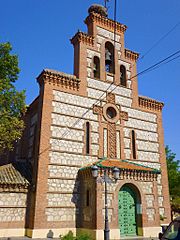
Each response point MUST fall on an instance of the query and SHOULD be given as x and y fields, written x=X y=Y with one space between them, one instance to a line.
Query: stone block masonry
x=69 y=159
x=66 y=156
x=12 y=214
x=13 y=208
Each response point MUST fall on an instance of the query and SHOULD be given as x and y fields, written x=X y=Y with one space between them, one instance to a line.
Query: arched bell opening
x=109 y=57
x=123 y=80
x=96 y=67
x=129 y=211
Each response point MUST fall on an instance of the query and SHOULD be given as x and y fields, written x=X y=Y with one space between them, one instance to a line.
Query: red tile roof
x=17 y=174
x=122 y=164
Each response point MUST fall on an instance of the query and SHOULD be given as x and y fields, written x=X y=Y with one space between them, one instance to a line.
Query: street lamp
x=94 y=169
x=106 y=180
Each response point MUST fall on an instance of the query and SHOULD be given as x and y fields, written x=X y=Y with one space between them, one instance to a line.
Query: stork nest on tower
x=96 y=8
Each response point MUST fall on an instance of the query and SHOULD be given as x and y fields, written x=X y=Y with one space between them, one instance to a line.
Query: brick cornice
x=103 y=21
x=125 y=173
x=13 y=188
x=82 y=37
x=131 y=55
x=150 y=104
x=59 y=78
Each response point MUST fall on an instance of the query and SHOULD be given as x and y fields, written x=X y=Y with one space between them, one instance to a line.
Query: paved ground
x=26 y=238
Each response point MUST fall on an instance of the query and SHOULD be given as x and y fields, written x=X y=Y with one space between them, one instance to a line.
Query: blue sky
x=39 y=31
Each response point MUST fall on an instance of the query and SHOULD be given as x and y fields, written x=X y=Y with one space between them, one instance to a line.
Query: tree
x=173 y=167
x=12 y=102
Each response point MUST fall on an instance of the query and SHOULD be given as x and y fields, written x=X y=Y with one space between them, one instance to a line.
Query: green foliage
x=173 y=167
x=175 y=204
x=84 y=236
x=70 y=236
x=12 y=102
x=162 y=217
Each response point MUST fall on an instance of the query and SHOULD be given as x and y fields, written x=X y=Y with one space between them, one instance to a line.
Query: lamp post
x=105 y=178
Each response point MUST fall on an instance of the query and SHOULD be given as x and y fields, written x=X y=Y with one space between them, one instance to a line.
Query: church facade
x=94 y=117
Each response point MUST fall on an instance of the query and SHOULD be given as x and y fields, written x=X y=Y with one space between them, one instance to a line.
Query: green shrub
x=83 y=236
x=70 y=236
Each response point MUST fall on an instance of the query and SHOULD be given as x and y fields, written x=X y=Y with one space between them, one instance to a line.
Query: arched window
x=133 y=144
x=96 y=67
x=87 y=137
x=122 y=75
x=109 y=57
x=87 y=198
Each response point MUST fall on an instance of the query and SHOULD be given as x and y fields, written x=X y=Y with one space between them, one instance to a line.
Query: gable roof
x=15 y=174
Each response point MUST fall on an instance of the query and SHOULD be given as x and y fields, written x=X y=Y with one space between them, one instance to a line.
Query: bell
x=107 y=56
x=95 y=67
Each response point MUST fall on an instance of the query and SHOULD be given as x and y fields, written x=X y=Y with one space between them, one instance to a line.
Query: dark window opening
x=111 y=112
x=87 y=198
x=133 y=144
x=87 y=138
x=96 y=67
x=109 y=57
x=34 y=141
x=123 y=76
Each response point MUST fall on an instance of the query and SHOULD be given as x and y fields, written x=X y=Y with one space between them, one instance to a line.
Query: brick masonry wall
x=66 y=156
x=58 y=192
x=146 y=202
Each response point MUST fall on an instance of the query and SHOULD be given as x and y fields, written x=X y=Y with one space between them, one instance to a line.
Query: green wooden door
x=127 y=211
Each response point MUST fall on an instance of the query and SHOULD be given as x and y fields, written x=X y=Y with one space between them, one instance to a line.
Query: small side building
x=15 y=179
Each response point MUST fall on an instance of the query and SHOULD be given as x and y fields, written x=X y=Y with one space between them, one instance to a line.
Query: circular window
x=111 y=112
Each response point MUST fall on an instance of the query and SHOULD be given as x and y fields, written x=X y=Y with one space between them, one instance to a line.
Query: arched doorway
x=128 y=208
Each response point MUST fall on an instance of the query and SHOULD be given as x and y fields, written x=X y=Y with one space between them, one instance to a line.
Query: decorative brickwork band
x=131 y=55
x=103 y=21
x=123 y=115
x=83 y=37
x=150 y=104
x=97 y=109
x=59 y=78
x=128 y=170
x=112 y=140
x=111 y=98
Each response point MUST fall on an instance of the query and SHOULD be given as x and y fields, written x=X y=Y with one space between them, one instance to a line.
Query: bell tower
x=100 y=54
